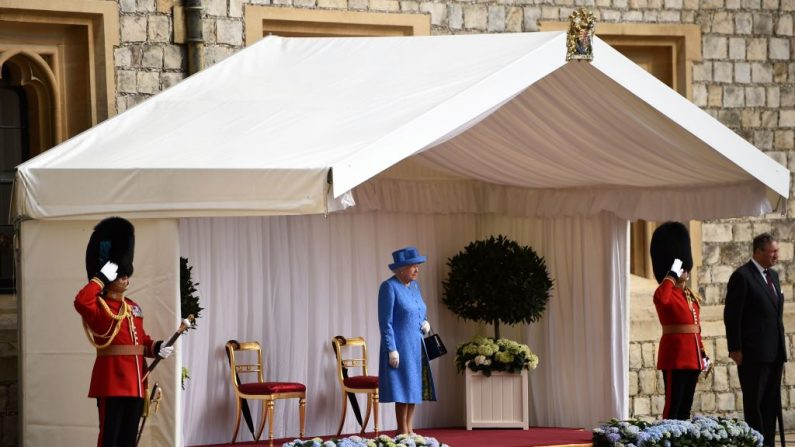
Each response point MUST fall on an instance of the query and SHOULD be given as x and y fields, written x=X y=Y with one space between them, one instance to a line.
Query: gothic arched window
x=14 y=149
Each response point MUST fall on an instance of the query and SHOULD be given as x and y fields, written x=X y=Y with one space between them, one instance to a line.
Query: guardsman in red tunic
x=681 y=354
x=114 y=326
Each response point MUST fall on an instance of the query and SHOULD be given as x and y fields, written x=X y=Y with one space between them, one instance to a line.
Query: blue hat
x=406 y=256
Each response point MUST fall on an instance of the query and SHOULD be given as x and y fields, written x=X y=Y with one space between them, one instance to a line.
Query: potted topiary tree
x=496 y=281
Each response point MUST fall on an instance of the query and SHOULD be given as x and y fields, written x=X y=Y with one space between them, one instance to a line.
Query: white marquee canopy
x=494 y=133
x=262 y=132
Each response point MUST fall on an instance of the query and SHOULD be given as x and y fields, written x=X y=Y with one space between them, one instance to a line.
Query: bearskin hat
x=670 y=241
x=113 y=240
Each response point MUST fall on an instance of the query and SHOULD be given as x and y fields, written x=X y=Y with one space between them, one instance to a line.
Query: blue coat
x=401 y=312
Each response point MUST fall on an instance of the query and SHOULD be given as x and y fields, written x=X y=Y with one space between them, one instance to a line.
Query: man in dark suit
x=755 y=335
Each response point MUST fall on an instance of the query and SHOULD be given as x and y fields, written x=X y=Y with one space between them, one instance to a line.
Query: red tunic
x=114 y=375
x=677 y=351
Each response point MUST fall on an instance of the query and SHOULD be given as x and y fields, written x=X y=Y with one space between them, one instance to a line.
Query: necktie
x=770 y=283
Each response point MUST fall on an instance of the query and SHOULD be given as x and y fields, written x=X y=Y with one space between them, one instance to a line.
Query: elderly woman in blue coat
x=404 y=374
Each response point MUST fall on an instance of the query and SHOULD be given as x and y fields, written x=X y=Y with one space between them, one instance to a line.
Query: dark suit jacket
x=754 y=324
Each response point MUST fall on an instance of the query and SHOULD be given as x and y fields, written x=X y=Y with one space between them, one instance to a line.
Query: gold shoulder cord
x=113 y=330
x=692 y=295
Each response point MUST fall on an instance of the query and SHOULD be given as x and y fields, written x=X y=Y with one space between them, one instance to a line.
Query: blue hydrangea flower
x=700 y=431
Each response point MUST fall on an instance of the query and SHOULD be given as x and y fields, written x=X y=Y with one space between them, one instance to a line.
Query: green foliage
x=189 y=300
x=185 y=376
x=497 y=280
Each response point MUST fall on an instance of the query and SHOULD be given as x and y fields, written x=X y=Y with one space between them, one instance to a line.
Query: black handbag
x=434 y=346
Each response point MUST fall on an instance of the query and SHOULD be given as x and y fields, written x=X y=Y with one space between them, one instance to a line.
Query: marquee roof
x=291 y=125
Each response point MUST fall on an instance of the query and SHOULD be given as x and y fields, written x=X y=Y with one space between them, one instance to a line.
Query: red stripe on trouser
x=668 y=387
x=101 y=419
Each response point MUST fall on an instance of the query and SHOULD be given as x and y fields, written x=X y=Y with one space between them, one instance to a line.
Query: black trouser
x=761 y=385
x=680 y=386
x=118 y=420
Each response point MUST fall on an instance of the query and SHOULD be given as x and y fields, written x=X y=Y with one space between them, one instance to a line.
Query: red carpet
x=460 y=437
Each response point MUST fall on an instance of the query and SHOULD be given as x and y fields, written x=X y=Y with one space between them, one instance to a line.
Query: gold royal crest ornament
x=579 y=43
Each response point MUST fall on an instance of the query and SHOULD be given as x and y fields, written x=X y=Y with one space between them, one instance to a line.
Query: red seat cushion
x=266 y=388
x=361 y=382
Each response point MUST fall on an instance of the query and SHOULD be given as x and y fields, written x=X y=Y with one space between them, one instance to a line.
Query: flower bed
x=700 y=431
x=486 y=354
x=381 y=441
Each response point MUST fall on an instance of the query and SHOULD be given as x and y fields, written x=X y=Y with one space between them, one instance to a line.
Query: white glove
x=394 y=359
x=165 y=351
x=705 y=363
x=676 y=267
x=110 y=271
x=425 y=327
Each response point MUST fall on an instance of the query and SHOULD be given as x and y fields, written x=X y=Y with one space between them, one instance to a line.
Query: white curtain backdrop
x=295 y=282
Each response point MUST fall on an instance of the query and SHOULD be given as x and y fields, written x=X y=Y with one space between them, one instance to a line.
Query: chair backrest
x=351 y=353
x=245 y=358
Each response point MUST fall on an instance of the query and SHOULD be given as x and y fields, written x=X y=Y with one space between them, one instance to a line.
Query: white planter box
x=499 y=401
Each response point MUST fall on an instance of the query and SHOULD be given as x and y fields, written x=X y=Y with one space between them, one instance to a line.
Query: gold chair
x=349 y=357
x=267 y=392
